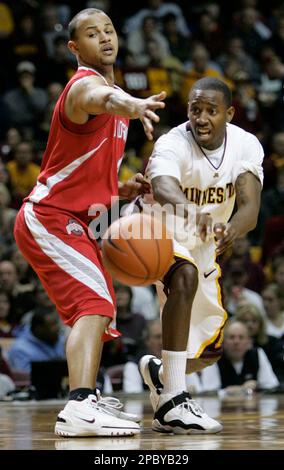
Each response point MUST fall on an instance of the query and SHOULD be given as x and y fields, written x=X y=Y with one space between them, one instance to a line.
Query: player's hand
x=147 y=113
x=224 y=236
x=133 y=187
x=204 y=226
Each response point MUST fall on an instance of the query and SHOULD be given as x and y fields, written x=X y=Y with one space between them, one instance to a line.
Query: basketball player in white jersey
x=209 y=163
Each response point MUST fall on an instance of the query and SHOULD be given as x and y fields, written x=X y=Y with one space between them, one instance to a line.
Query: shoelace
x=191 y=405
x=110 y=403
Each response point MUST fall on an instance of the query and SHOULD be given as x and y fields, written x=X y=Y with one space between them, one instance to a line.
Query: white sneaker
x=87 y=418
x=113 y=407
x=181 y=415
x=149 y=367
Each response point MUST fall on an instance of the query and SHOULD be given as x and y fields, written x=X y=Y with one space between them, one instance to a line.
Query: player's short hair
x=212 y=83
x=72 y=26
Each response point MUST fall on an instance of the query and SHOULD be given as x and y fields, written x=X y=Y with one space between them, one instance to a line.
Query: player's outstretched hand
x=148 y=115
x=224 y=236
x=131 y=188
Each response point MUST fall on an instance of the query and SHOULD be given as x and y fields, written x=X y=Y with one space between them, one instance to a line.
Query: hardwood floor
x=255 y=423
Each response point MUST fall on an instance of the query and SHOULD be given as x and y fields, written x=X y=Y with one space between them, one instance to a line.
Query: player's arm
x=166 y=190
x=248 y=194
x=90 y=96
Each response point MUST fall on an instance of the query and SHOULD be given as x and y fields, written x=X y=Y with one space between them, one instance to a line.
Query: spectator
x=274 y=312
x=242 y=369
x=273 y=347
x=23 y=172
x=236 y=292
x=7 y=218
x=241 y=256
x=42 y=342
x=6 y=329
x=21 y=295
x=13 y=138
x=158 y=9
x=137 y=41
x=25 y=104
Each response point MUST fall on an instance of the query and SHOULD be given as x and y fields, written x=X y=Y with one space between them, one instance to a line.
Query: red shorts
x=67 y=261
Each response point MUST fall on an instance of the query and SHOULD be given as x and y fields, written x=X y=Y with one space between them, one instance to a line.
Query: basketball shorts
x=67 y=261
x=208 y=315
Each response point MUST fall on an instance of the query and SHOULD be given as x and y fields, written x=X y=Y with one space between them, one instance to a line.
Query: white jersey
x=209 y=186
x=207 y=178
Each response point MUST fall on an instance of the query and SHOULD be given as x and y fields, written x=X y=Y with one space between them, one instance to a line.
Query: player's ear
x=230 y=113
x=72 y=47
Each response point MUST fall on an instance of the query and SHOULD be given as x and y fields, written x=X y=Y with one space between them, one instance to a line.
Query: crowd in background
x=164 y=45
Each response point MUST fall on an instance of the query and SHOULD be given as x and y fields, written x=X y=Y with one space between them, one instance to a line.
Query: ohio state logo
x=74 y=227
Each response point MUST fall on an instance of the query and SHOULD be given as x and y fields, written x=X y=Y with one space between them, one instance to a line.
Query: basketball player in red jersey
x=79 y=169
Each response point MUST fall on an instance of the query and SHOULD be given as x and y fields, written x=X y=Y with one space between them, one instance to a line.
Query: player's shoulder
x=176 y=135
x=242 y=136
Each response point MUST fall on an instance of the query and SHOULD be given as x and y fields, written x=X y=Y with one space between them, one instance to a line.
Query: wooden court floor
x=255 y=423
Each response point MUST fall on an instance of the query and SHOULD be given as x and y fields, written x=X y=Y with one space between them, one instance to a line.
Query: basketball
x=137 y=250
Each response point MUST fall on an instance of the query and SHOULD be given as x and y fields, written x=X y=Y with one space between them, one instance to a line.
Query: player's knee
x=185 y=280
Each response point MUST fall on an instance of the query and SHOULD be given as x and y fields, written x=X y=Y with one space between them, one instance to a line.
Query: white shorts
x=208 y=315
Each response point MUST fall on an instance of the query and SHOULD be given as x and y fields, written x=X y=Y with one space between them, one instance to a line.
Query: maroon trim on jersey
x=92 y=124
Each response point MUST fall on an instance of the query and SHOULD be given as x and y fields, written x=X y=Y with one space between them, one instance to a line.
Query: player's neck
x=107 y=72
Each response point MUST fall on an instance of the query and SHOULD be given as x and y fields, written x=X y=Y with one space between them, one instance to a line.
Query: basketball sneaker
x=113 y=407
x=87 y=418
x=181 y=414
x=149 y=367
x=174 y=414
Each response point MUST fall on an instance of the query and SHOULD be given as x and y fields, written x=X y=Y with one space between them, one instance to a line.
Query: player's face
x=96 y=41
x=208 y=115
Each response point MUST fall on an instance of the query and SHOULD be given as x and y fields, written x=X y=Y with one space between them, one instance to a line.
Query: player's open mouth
x=202 y=132
x=107 y=50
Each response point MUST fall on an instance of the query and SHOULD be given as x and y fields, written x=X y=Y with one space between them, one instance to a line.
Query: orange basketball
x=137 y=250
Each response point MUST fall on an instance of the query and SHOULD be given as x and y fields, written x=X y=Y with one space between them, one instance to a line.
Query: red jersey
x=81 y=161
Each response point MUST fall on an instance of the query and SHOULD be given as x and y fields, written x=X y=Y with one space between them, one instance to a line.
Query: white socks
x=174 y=367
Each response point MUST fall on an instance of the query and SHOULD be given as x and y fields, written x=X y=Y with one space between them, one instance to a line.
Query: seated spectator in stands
x=241 y=253
x=23 y=172
x=137 y=41
x=7 y=218
x=234 y=283
x=209 y=33
x=247 y=110
x=178 y=43
x=200 y=66
x=242 y=369
x=235 y=50
x=6 y=328
x=274 y=160
x=62 y=64
x=42 y=342
x=250 y=27
x=158 y=9
x=26 y=41
x=152 y=343
x=12 y=139
x=278 y=275
x=25 y=103
x=21 y=295
x=54 y=90
x=273 y=310
x=130 y=324
x=273 y=347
